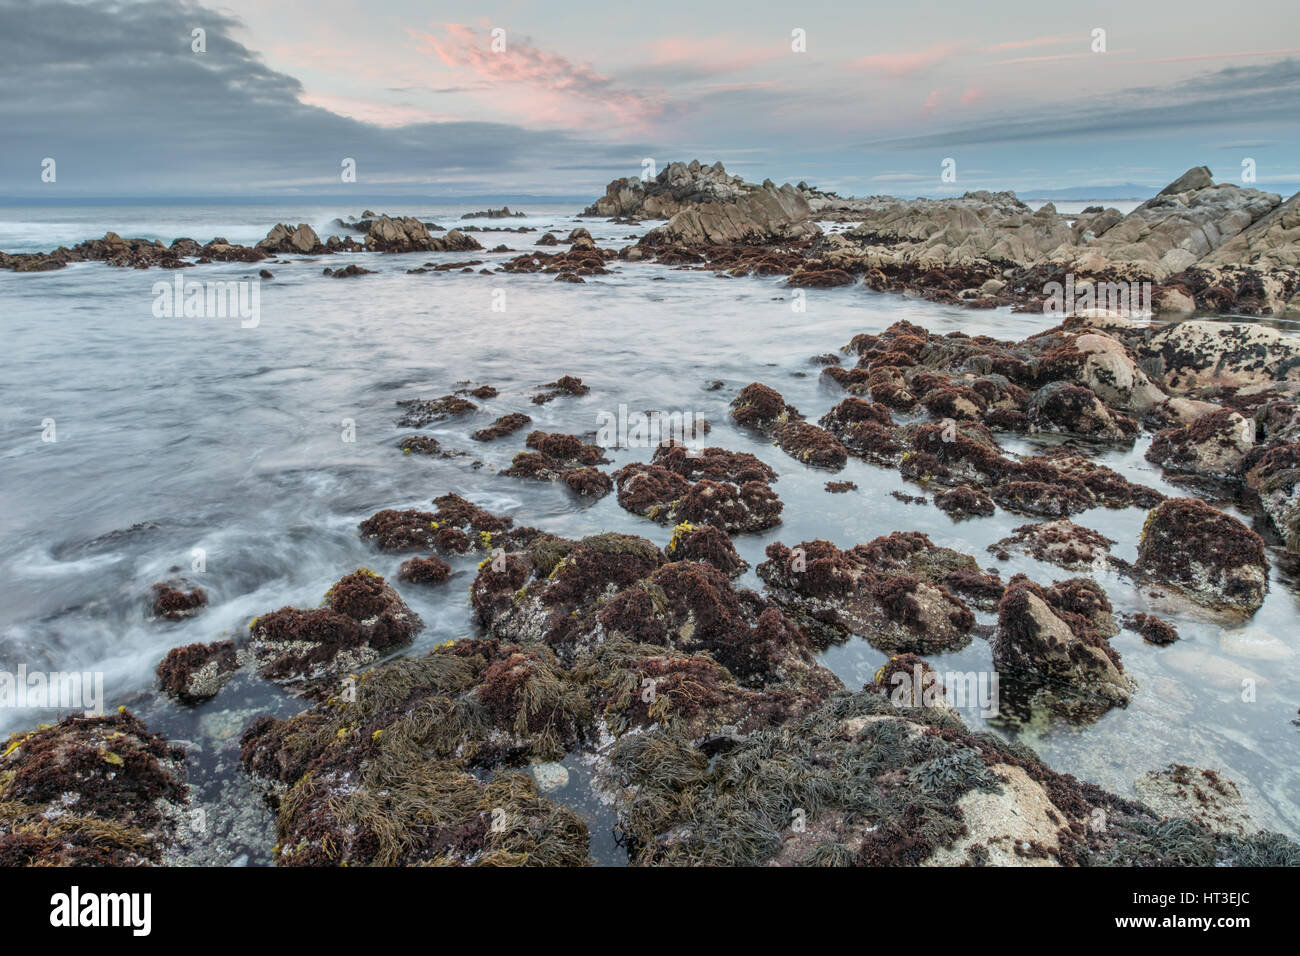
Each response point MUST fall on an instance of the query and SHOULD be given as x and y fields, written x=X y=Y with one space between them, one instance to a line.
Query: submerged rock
x=1061 y=542
x=177 y=600
x=1205 y=796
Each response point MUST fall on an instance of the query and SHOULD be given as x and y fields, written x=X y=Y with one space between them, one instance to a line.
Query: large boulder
x=1185 y=222
x=1201 y=353
x=1214 y=445
x=1210 y=557
x=286 y=239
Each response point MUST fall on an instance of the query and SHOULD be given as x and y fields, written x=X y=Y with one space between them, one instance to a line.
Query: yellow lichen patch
x=679 y=532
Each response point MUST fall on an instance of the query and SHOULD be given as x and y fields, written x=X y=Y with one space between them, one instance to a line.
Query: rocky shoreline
x=699 y=708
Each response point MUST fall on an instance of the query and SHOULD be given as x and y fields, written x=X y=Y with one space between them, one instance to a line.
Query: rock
x=1152 y=629
x=964 y=502
x=1184 y=223
x=1209 y=556
x=421 y=412
x=811 y=445
x=505 y=425
x=1054 y=640
x=1214 y=445
x=90 y=791
x=457 y=527
x=550 y=775
x=761 y=407
x=887 y=591
x=197 y=672
x=705 y=206
x=705 y=543
x=1254 y=643
x=430 y=570
x=1102 y=364
x=1060 y=542
x=1074 y=410
x=363 y=619
x=408 y=234
x=285 y=239
x=564 y=385
x=1197 y=353
x=879 y=785
x=176 y=600
x=1275 y=478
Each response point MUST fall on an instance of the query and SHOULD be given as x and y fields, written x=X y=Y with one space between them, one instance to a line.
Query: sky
x=447 y=100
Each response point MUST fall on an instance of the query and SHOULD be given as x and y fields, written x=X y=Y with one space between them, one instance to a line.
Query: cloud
x=903 y=64
x=1232 y=96
x=552 y=81
x=115 y=95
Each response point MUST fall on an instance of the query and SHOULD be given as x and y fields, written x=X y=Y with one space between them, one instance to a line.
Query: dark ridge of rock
x=505 y=425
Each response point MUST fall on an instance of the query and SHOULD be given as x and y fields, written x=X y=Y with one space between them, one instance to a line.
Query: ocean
x=179 y=439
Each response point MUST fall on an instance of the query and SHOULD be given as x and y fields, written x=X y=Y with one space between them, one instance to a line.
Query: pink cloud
x=900 y=64
x=536 y=82
x=1036 y=41
x=972 y=96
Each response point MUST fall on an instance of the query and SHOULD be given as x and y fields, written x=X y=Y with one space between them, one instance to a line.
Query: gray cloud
x=113 y=92
x=1234 y=96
